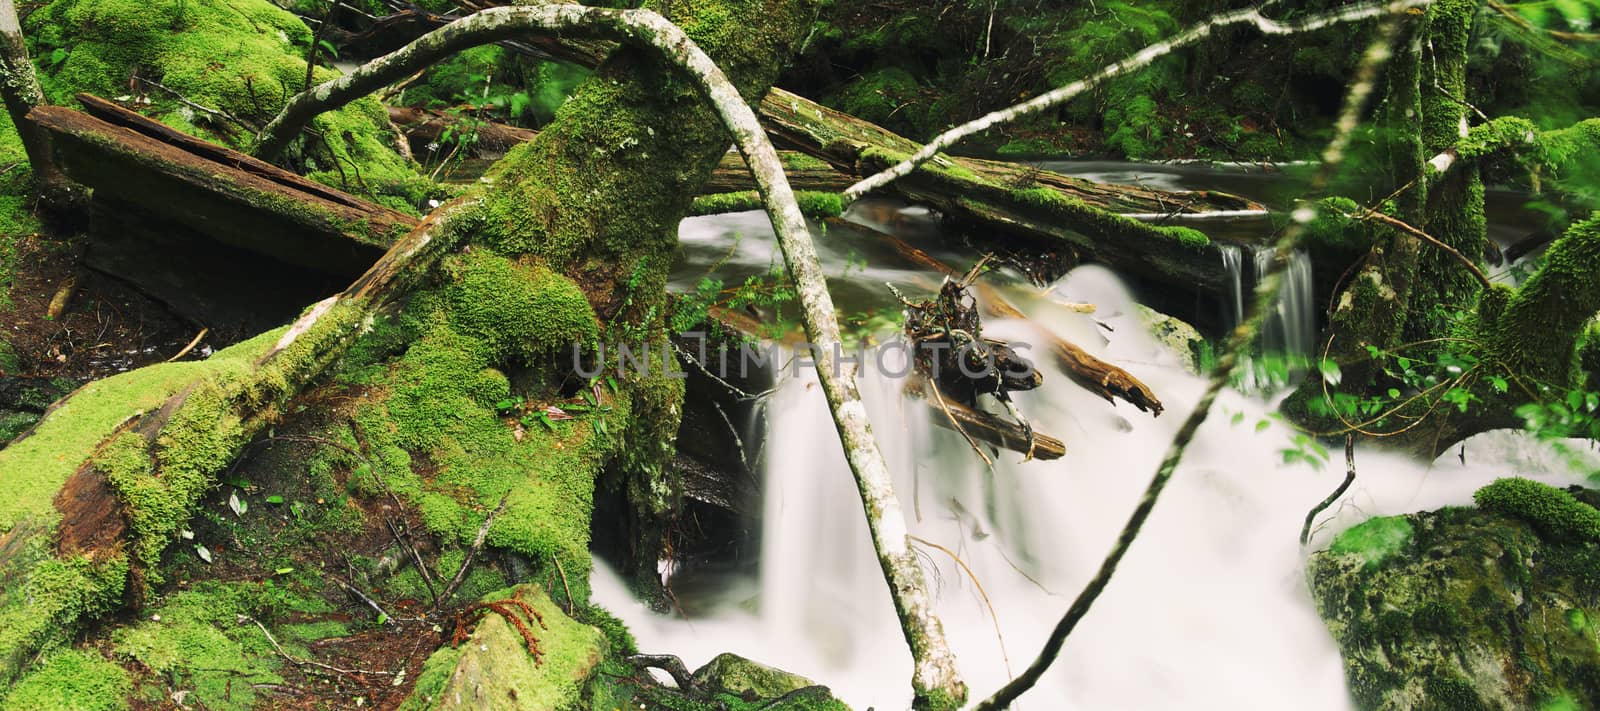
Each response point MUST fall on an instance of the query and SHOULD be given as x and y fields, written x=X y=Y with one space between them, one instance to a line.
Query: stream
x=1209 y=610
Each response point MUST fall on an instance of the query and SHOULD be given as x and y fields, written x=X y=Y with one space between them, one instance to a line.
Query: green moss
x=44 y=596
x=70 y=680
x=517 y=311
x=242 y=57
x=495 y=664
x=1554 y=512
x=1375 y=539
x=814 y=205
x=35 y=468
x=199 y=640
x=888 y=97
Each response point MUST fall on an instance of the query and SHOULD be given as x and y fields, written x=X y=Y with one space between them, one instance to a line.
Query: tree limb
x=1137 y=60
x=935 y=674
x=1266 y=295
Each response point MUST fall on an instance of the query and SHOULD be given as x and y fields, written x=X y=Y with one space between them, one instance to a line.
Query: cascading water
x=1233 y=262
x=1291 y=327
x=1209 y=609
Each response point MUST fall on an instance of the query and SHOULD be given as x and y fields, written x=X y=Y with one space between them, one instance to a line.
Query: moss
x=1375 y=539
x=814 y=205
x=495 y=664
x=888 y=97
x=35 y=468
x=517 y=311
x=242 y=57
x=199 y=640
x=1554 y=512
x=38 y=611
x=70 y=680
x=1539 y=332
x=1505 y=132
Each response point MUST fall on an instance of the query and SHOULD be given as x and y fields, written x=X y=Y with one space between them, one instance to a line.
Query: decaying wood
x=225 y=194
x=1098 y=376
x=986 y=427
x=424 y=126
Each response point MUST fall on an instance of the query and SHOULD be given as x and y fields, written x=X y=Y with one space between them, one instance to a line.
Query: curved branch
x=935 y=673
x=1137 y=60
x=1266 y=294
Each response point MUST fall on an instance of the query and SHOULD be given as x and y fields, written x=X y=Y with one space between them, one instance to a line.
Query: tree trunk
x=19 y=87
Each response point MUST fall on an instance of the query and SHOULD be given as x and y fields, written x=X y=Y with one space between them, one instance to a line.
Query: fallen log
x=984 y=427
x=1038 y=212
x=423 y=126
x=227 y=195
x=1093 y=374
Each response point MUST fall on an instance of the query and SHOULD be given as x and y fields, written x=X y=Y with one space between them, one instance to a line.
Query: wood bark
x=217 y=191
x=19 y=88
x=985 y=427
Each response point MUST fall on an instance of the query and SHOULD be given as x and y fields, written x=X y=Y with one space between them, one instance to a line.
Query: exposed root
x=506 y=608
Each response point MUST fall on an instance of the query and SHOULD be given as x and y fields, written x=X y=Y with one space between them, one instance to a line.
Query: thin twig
x=303 y=662
x=1137 y=60
x=557 y=560
x=1006 y=658
x=383 y=615
x=1349 y=478
x=477 y=543
x=192 y=344
x=416 y=559
x=1367 y=214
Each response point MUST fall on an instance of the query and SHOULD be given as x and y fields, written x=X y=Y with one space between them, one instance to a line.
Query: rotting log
x=232 y=197
x=985 y=427
x=423 y=126
x=1097 y=376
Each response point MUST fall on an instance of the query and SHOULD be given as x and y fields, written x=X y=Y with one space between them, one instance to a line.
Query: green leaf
x=1262 y=425
x=1330 y=372
x=283 y=571
x=1394 y=393
x=1237 y=418
x=203 y=552
x=58 y=56
x=274 y=499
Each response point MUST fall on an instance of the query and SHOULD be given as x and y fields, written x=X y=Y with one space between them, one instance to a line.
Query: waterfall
x=1291 y=327
x=1209 y=609
x=1232 y=261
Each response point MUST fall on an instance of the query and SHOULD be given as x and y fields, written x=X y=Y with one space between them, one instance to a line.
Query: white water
x=1209 y=609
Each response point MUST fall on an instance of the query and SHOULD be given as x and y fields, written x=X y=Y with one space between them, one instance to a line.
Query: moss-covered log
x=219 y=192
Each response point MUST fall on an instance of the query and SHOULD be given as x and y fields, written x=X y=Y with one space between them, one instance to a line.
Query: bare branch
x=1266 y=295
x=935 y=672
x=1137 y=60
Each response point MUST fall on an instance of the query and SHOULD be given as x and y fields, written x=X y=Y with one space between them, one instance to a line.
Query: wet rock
x=1177 y=336
x=1464 y=608
x=736 y=675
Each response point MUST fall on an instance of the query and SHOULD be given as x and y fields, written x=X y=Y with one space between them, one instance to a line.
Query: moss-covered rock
x=1464 y=608
x=734 y=674
x=1556 y=513
x=493 y=668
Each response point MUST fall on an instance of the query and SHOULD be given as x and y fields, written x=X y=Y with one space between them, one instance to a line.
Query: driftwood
x=985 y=427
x=1098 y=376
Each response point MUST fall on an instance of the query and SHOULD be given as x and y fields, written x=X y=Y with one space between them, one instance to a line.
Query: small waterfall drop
x=1209 y=610
x=1233 y=262
x=1291 y=327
